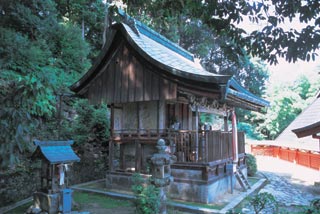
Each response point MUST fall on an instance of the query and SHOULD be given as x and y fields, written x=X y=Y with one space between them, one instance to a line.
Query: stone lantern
x=161 y=171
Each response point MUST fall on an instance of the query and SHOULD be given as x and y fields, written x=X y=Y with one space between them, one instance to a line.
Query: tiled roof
x=308 y=116
x=235 y=92
x=55 y=151
x=167 y=53
x=170 y=57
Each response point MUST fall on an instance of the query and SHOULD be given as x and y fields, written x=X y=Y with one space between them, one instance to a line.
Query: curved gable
x=122 y=77
x=138 y=64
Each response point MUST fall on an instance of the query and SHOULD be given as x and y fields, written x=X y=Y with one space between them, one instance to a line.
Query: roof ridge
x=152 y=34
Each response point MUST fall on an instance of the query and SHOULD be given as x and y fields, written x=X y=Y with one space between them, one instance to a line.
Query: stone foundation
x=195 y=184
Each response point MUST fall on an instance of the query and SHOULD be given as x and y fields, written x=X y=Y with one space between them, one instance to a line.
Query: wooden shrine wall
x=139 y=116
x=125 y=78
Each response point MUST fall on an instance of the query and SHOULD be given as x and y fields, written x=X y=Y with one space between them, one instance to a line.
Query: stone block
x=47 y=202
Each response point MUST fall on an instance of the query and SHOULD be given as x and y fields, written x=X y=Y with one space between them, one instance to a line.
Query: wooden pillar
x=204 y=142
x=122 y=159
x=161 y=115
x=137 y=143
x=225 y=119
x=190 y=118
x=111 y=120
x=197 y=134
x=111 y=146
x=138 y=156
x=138 y=119
x=158 y=116
x=111 y=151
x=53 y=177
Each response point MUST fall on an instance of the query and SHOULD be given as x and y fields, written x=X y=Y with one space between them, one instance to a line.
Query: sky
x=286 y=72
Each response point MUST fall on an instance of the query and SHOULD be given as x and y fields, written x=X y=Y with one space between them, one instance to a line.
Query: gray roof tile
x=308 y=116
x=166 y=52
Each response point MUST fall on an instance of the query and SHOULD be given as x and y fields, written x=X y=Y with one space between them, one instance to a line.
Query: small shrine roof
x=55 y=151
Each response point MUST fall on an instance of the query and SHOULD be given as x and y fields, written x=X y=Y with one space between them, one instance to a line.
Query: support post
x=138 y=156
x=197 y=135
x=234 y=138
x=111 y=151
x=111 y=147
x=225 y=119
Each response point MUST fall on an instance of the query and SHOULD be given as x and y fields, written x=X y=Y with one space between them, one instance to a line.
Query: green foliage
x=251 y=163
x=40 y=56
x=249 y=130
x=147 y=196
x=14 y=122
x=89 y=14
x=224 y=18
x=287 y=102
x=91 y=123
x=263 y=201
x=25 y=91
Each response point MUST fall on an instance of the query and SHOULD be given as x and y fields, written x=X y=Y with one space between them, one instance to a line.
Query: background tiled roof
x=308 y=116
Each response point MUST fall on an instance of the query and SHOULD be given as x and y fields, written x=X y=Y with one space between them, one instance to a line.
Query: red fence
x=301 y=157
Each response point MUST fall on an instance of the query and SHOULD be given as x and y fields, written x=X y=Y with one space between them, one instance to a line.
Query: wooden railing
x=211 y=146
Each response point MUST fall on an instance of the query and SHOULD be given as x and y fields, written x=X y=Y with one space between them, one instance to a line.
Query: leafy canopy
x=225 y=17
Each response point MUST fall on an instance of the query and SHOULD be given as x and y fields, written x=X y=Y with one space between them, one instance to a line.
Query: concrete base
x=47 y=202
x=202 y=191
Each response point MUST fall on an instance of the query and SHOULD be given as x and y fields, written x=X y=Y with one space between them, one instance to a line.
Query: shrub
x=91 y=123
x=251 y=163
x=314 y=207
x=263 y=201
x=147 y=196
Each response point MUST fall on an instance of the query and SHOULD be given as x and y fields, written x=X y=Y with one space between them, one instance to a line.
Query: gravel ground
x=290 y=184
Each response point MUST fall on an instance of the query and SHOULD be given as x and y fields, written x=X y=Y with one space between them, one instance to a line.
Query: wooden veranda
x=214 y=147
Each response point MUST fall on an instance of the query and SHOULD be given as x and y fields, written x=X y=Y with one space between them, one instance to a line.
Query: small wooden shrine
x=156 y=89
x=55 y=156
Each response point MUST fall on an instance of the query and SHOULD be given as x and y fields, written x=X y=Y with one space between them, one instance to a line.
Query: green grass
x=83 y=198
x=102 y=200
x=253 y=180
x=21 y=209
x=96 y=185
x=208 y=206
x=101 y=185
